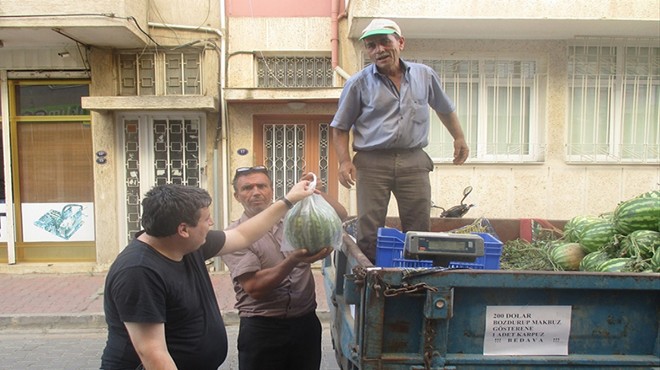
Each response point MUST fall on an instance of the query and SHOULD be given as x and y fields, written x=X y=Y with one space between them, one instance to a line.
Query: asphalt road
x=78 y=349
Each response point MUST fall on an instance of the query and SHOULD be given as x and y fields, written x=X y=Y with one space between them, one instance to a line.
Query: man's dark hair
x=165 y=207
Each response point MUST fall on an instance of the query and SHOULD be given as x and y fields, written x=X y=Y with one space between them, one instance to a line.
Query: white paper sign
x=58 y=222
x=527 y=330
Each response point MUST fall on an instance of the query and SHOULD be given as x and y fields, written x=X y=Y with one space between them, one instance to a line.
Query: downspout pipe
x=223 y=123
x=334 y=40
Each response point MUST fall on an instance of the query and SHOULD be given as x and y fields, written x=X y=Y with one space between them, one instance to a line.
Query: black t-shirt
x=146 y=287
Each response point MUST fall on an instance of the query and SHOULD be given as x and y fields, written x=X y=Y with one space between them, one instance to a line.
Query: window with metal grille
x=500 y=106
x=160 y=73
x=294 y=71
x=159 y=149
x=614 y=101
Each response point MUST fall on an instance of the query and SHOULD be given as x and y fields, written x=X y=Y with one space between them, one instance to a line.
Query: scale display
x=444 y=244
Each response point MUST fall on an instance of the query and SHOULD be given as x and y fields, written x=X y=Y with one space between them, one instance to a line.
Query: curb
x=96 y=320
x=47 y=322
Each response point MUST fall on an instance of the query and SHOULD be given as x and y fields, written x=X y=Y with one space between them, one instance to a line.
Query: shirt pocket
x=420 y=112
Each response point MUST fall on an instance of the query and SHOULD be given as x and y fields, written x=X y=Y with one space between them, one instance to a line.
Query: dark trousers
x=266 y=343
x=404 y=173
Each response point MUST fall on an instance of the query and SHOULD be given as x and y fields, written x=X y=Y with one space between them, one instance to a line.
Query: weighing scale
x=443 y=247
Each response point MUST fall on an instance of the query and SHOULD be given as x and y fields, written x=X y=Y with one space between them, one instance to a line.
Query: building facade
x=559 y=101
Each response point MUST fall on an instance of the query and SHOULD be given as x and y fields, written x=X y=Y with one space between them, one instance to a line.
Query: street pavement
x=78 y=349
x=56 y=322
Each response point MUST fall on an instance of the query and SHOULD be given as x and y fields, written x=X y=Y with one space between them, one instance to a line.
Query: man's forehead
x=253 y=179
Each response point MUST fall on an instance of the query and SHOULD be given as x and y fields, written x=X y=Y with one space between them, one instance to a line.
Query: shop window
x=52 y=178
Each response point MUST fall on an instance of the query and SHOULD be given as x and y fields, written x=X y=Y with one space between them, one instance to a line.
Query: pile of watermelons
x=626 y=240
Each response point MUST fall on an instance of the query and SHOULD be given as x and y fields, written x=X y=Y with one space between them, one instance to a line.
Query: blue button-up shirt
x=384 y=118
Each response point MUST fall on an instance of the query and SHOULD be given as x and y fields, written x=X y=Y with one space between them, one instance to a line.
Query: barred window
x=294 y=71
x=614 y=101
x=160 y=73
x=499 y=105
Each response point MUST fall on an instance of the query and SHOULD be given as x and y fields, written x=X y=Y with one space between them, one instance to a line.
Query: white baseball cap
x=381 y=26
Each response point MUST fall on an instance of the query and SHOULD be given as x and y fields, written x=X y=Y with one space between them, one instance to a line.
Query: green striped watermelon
x=567 y=256
x=573 y=228
x=641 y=213
x=655 y=260
x=596 y=235
x=591 y=261
x=615 y=265
x=640 y=243
x=312 y=224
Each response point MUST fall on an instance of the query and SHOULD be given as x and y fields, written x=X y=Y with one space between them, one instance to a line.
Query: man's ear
x=182 y=230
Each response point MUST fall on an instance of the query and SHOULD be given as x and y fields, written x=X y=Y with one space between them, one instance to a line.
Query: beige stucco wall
x=505 y=9
x=241 y=135
x=552 y=189
x=108 y=184
x=296 y=36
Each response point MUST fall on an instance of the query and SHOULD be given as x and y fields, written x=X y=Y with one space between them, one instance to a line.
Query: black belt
x=389 y=150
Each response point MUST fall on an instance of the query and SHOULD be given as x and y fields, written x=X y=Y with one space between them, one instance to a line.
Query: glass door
x=53 y=171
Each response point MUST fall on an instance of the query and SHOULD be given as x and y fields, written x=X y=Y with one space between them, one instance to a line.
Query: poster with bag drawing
x=57 y=222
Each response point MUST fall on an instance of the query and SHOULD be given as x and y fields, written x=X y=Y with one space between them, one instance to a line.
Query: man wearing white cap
x=387 y=107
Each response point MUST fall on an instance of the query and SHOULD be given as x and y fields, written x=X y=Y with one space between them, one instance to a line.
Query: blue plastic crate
x=490 y=259
x=389 y=246
x=390 y=232
x=402 y=262
x=389 y=250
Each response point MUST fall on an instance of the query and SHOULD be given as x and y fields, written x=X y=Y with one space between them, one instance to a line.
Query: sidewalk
x=62 y=301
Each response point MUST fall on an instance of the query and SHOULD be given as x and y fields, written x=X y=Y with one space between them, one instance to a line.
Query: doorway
x=293 y=145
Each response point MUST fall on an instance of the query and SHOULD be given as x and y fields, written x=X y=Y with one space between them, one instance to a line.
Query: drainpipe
x=221 y=137
x=223 y=124
x=334 y=40
x=335 y=16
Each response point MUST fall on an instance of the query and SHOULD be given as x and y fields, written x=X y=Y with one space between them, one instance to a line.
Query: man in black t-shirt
x=159 y=302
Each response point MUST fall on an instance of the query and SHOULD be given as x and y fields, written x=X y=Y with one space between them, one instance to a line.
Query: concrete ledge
x=49 y=321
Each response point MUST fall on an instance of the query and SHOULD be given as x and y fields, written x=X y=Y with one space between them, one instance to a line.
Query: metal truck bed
x=396 y=319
